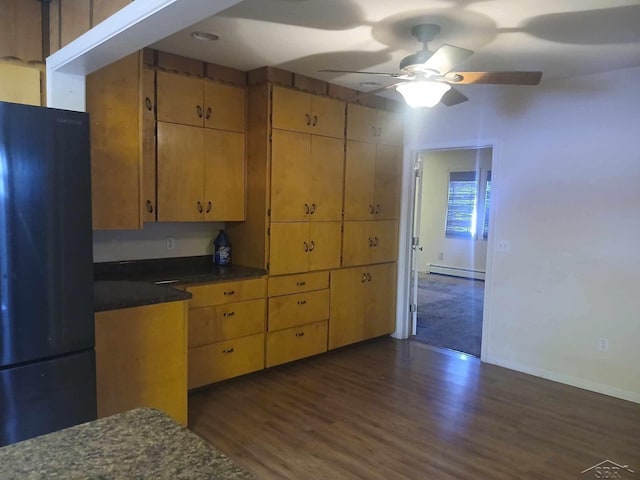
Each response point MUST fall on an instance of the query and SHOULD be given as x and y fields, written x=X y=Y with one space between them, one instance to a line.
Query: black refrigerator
x=47 y=359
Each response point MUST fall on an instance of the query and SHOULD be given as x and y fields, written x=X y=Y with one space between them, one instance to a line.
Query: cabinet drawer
x=227 y=292
x=304 y=282
x=297 y=342
x=298 y=309
x=222 y=360
x=224 y=322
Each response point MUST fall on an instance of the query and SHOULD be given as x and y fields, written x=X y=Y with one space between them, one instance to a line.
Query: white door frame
x=403 y=316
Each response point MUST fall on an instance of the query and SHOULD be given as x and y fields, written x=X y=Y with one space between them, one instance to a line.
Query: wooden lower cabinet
x=221 y=360
x=296 y=342
x=362 y=303
x=226 y=330
x=141 y=359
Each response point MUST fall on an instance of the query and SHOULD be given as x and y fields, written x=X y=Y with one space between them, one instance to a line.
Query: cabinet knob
x=147 y=103
x=299 y=334
x=199 y=111
x=307 y=119
x=149 y=206
x=315 y=121
x=209 y=206
x=302 y=302
x=228 y=314
x=227 y=350
x=208 y=114
x=199 y=206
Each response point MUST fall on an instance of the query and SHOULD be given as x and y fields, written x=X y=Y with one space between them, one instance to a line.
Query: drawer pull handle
x=375 y=241
x=149 y=206
x=306 y=247
x=301 y=284
x=227 y=350
x=302 y=302
x=312 y=210
x=306 y=209
x=147 y=103
x=299 y=334
x=208 y=114
x=228 y=314
x=307 y=119
x=315 y=121
x=199 y=111
x=370 y=242
x=368 y=277
x=372 y=209
x=312 y=245
x=229 y=293
x=364 y=278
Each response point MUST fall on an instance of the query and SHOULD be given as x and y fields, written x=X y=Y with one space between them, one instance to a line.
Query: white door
x=415 y=242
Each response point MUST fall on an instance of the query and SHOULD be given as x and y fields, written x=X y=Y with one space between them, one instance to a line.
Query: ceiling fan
x=426 y=77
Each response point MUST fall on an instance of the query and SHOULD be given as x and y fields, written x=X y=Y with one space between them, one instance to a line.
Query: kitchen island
x=142 y=443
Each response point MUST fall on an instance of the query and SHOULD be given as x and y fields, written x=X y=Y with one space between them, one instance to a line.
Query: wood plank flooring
x=391 y=409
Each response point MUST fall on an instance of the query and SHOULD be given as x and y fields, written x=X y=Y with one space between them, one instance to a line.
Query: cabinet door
x=180 y=173
x=291 y=110
x=361 y=123
x=325 y=173
x=289 y=248
x=359 y=180
x=347 y=307
x=149 y=201
x=21 y=30
x=357 y=243
x=390 y=124
x=180 y=99
x=113 y=101
x=290 y=197
x=103 y=9
x=224 y=107
x=385 y=241
x=327 y=116
x=324 y=245
x=388 y=176
x=379 y=305
x=223 y=175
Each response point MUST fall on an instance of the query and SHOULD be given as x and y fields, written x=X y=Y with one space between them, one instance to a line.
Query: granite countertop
x=139 y=444
x=145 y=282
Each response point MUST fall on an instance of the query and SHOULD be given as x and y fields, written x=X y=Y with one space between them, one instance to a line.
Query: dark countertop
x=145 y=282
x=143 y=444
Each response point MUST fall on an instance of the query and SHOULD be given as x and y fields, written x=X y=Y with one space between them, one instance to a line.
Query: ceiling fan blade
x=494 y=78
x=373 y=92
x=453 y=97
x=445 y=58
x=392 y=75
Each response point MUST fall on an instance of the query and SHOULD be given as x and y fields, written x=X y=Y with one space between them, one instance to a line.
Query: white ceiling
x=559 y=37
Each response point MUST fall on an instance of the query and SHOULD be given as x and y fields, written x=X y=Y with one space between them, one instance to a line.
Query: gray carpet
x=450 y=312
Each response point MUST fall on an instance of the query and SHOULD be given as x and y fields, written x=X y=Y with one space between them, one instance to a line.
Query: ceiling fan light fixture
x=423 y=93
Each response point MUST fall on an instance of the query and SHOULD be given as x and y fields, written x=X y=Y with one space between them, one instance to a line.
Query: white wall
x=566 y=197
x=191 y=239
x=460 y=253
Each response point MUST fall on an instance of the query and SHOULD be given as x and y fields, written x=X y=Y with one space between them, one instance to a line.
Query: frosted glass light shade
x=423 y=93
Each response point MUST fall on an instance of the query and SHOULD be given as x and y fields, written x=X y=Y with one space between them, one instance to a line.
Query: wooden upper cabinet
x=180 y=99
x=21 y=30
x=224 y=107
x=180 y=173
x=224 y=178
x=366 y=124
x=298 y=247
x=201 y=103
x=304 y=112
x=304 y=169
x=120 y=100
x=372 y=181
x=367 y=242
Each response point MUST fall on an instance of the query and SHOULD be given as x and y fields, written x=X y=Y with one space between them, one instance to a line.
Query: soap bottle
x=221 y=249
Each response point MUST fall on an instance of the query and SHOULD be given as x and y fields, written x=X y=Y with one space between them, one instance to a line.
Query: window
x=487 y=203
x=461 y=205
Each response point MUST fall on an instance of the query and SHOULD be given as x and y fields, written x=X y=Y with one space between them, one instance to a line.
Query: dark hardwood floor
x=392 y=409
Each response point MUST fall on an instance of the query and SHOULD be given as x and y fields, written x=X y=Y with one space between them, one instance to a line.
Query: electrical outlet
x=603 y=344
x=441 y=256
x=504 y=246
x=171 y=243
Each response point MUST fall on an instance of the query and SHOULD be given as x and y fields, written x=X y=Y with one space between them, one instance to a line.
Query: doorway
x=449 y=258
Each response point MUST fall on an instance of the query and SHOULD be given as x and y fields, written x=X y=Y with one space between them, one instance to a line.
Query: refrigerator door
x=46 y=396
x=46 y=264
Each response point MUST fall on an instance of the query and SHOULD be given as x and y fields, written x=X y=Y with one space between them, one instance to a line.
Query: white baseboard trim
x=567 y=379
x=456 y=272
